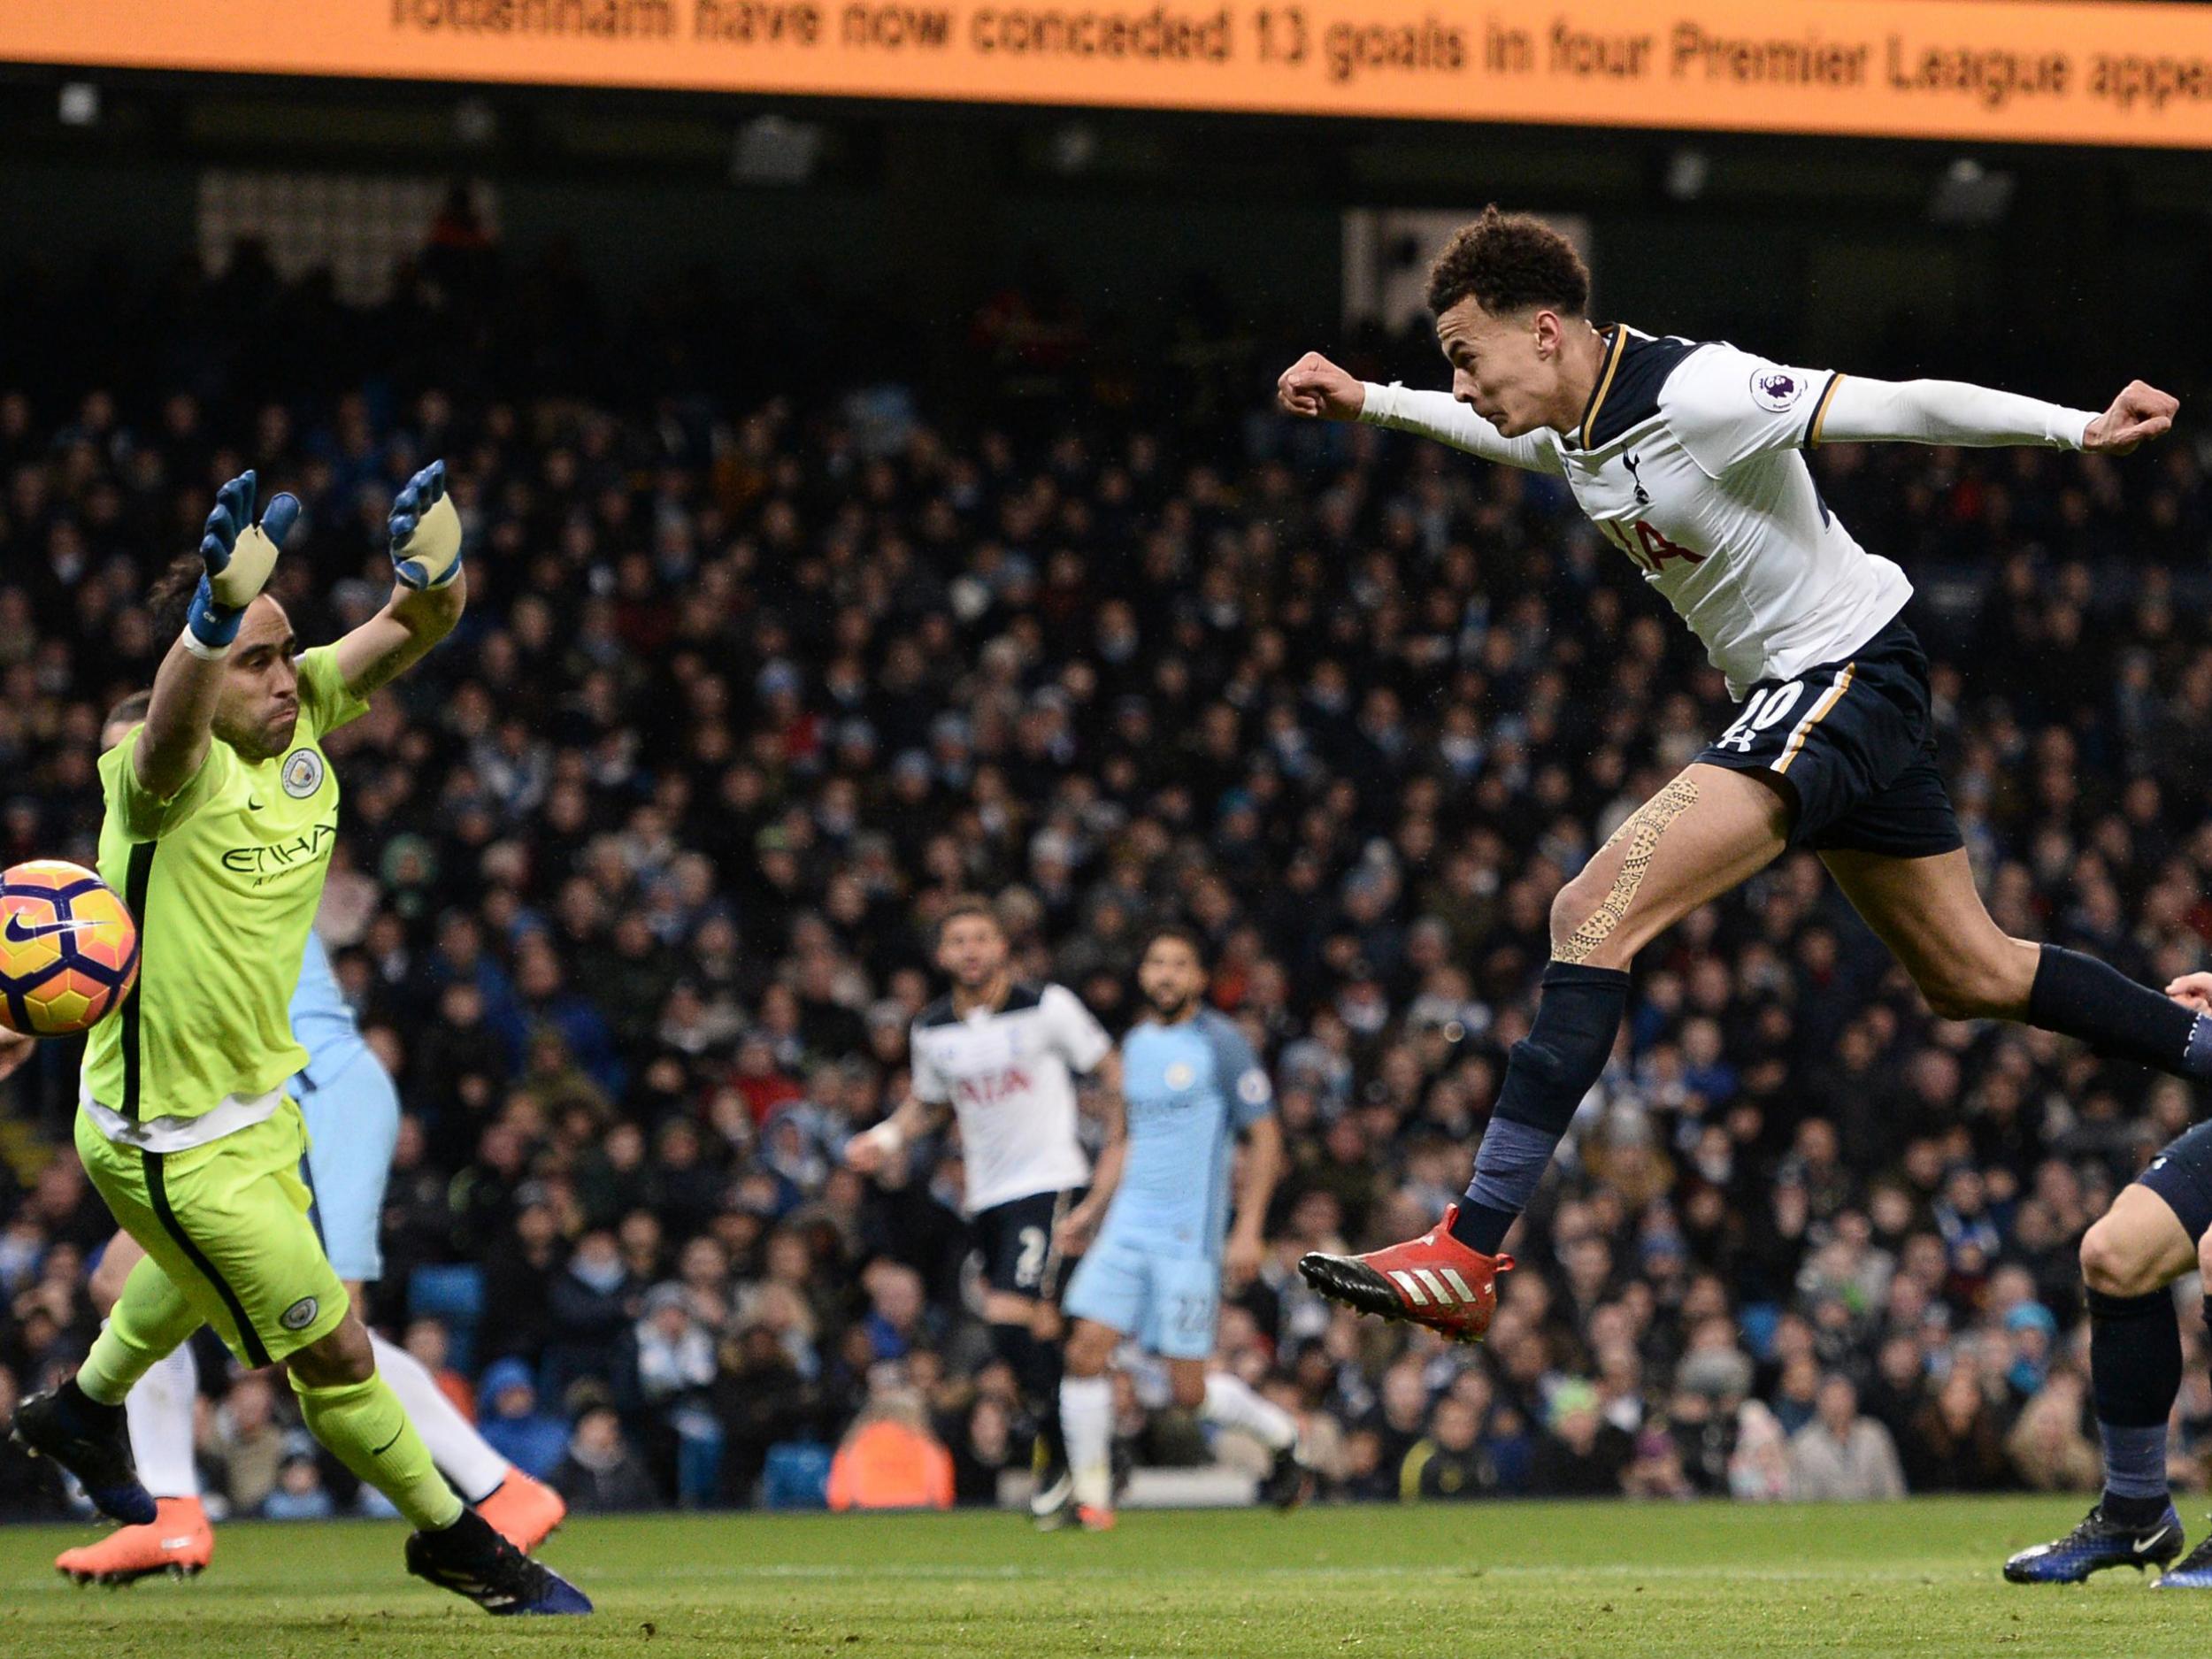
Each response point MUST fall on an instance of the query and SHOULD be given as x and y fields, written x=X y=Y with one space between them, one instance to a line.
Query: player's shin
x=1087 y=1417
x=1233 y=1403
x=2080 y=996
x=365 y=1427
x=475 y=1470
x=1547 y=1075
x=160 y=1412
x=1036 y=1368
x=149 y=1322
x=2135 y=1373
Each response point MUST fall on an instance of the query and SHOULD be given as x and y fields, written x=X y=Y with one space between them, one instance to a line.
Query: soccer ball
x=69 y=948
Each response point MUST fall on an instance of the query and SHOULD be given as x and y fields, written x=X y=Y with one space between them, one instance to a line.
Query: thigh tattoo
x=1642 y=831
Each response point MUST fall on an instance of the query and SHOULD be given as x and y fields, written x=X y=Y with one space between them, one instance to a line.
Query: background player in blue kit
x=1191 y=1083
x=352 y=1111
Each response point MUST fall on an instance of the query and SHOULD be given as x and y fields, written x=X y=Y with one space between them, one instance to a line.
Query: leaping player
x=1689 y=459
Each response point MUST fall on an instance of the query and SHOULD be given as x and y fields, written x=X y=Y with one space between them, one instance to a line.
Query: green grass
x=1541 y=1581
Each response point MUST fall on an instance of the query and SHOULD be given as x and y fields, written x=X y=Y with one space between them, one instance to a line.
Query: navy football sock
x=2080 y=996
x=1545 y=1077
x=2135 y=1373
x=1036 y=1368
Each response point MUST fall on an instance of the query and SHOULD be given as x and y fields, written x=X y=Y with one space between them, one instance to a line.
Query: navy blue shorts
x=2182 y=1175
x=1014 y=1240
x=1853 y=743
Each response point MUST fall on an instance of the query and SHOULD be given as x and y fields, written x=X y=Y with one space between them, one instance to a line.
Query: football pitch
x=1542 y=1580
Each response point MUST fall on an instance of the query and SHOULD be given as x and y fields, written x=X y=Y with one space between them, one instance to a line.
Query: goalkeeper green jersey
x=224 y=878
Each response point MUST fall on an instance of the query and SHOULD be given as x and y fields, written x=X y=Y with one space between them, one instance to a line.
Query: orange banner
x=2070 y=72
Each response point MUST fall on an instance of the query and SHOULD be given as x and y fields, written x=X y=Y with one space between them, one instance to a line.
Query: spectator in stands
x=1841 y=1455
x=508 y=1418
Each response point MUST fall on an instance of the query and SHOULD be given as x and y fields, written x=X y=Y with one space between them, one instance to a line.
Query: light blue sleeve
x=1242 y=1080
x=322 y=1019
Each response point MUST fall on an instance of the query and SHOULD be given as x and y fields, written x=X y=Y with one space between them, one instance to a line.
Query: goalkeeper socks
x=2080 y=996
x=461 y=1453
x=364 y=1424
x=159 y=1409
x=2135 y=1373
x=1234 y=1404
x=1545 y=1077
x=1087 y=1417
x=150 y=1321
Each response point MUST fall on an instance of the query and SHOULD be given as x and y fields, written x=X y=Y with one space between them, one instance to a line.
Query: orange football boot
x=523 y=1511
x=1433 y=1280
x=179 y=1543
x=1094 y=1518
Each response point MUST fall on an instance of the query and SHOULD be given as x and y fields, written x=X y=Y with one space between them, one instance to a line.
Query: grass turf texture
x=1540 y=1580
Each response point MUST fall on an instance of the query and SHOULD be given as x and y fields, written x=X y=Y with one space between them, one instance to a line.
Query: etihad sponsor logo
x=275 y=857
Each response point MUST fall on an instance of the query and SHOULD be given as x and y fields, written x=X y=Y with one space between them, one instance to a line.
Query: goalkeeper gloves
x=425 y=531
x=238 y=554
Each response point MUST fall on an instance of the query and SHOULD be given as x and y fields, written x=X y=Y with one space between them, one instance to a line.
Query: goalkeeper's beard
x=256 y=740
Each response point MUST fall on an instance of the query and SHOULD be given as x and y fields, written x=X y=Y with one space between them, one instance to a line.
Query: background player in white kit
x=1190 y=1085
x=1001 y=1058
x=352 y=1113
x=1688 y=458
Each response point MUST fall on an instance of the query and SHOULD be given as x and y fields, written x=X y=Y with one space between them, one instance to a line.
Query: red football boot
x=1433 y=1280
x=179 y=1542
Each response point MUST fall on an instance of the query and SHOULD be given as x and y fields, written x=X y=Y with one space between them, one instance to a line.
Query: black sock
x=89 y=1415
x=1545 y=1077
x=2080 y=996
x=2134 y=1373
x=1036 y=1368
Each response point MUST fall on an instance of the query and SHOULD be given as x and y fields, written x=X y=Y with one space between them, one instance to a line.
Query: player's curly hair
x=170 y=596
x=1510 y=262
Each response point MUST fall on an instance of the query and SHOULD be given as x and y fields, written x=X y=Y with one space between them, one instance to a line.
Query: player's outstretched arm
x=429 y=589
x=1315 y=388
x=1857 y=410
x=238 y=554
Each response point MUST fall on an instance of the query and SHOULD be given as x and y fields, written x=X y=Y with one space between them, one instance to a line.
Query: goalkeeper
x=221 y=810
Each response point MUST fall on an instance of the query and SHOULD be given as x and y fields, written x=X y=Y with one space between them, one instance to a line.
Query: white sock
x=1087 y=1418
x=459 y=1451
x=158 y=1410
x=1232 y=1402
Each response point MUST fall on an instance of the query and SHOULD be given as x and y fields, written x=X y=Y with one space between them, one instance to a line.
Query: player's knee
x=1090 y=1349
x=1989 y=981
x=2115 y=1264
x=2204 y=1257
x=336 y=1360
x=1585 y=928
x=1189 y=1391
x=107 y=1284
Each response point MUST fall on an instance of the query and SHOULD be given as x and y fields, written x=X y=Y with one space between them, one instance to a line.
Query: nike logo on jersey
x=18 y=934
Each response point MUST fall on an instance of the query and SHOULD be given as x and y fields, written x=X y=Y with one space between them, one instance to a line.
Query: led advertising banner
x=2018 y=70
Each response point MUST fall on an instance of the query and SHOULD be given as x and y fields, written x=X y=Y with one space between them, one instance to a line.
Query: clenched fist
x=1316 y=389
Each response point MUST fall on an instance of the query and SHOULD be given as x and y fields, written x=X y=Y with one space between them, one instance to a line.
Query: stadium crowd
x=636 y=879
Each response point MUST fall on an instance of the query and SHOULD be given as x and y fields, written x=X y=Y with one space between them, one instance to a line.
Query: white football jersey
x=1689 y=460
x=1008 y=1076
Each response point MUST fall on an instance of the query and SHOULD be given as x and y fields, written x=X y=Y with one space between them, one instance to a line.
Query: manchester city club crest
x=302 y=773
